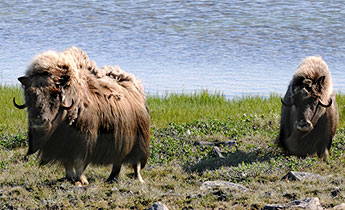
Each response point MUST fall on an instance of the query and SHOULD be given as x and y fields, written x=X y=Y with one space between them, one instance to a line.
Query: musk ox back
x=309 y=114
x=79 y=114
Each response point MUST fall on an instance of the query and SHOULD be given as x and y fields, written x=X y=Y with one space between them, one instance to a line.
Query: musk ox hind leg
x=137 y=169
x=324 y=155
x=114 y=175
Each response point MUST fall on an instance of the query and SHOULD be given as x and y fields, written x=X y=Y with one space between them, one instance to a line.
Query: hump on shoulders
x=82 y=70
x=115 y=74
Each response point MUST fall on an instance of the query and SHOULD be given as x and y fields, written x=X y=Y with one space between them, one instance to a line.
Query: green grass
x=182 y=108
x=178 y=165
x=11 y=119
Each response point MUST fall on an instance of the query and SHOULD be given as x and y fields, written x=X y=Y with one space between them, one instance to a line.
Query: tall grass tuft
x=181 y=108
x=12 y=120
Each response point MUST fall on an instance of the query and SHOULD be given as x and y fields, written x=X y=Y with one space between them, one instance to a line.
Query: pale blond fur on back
x=115 y=72
x=314 y=67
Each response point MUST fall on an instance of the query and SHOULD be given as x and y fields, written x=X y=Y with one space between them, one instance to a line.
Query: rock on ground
x=221 y=184
x=299 y=176
x=217 y=144
x=339 y=207
x=307 y=203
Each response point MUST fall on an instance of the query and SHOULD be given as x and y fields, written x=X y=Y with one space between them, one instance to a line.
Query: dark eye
x=53 y=95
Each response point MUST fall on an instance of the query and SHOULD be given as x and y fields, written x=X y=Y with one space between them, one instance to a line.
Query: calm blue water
x=238 y=48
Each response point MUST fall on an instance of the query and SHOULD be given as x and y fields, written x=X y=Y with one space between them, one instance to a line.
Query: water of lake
x=234 y=47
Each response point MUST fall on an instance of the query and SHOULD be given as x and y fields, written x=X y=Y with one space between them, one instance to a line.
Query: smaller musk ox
x=309 y=115
x=79 y=114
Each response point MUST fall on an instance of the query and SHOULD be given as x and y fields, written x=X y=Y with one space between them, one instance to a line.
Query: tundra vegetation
x=180 y=161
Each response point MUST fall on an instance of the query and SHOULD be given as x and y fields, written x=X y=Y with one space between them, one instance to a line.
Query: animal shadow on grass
x=230 y=159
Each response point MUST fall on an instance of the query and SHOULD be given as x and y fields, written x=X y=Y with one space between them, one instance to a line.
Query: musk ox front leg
x=70 y=173
x=80 y=177
x=74 y=173
x=114 y=175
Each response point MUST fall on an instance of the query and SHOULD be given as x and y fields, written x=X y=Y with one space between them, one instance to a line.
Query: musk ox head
x=307 y=103
x=45 y=85
x=43 y=101
x=309 y=93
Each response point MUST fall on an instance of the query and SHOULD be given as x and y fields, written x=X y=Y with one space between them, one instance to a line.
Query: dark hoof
x=112 y=180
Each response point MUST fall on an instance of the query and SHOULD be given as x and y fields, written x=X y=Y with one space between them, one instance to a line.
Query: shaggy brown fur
x=79 y=114
x=309 y=116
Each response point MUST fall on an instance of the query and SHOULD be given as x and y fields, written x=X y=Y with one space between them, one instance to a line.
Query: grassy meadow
x=178 y=164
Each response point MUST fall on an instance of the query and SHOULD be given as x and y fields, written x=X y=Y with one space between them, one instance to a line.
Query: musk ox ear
x=318 y=84
x=24 y=80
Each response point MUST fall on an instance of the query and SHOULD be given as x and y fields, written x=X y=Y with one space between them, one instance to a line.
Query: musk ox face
x=43 y=100
x=306 y=103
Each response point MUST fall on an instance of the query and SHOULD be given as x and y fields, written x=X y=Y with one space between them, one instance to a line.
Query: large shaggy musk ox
x=309 y=114
x=79 y=114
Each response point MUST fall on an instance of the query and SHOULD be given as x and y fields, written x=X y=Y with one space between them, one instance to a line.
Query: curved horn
x=285 y=104
x=326 y=106
x=68 y=107
x=18 y=106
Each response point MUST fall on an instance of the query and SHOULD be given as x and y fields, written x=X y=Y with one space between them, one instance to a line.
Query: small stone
x=158 y=206
x=339 y=207
x=222 y=184
x=307 y=203
x=299 y=176
x=273 y=207
x=215 y=143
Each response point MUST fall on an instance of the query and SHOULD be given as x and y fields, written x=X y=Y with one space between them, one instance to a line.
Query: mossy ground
x=178 y=165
